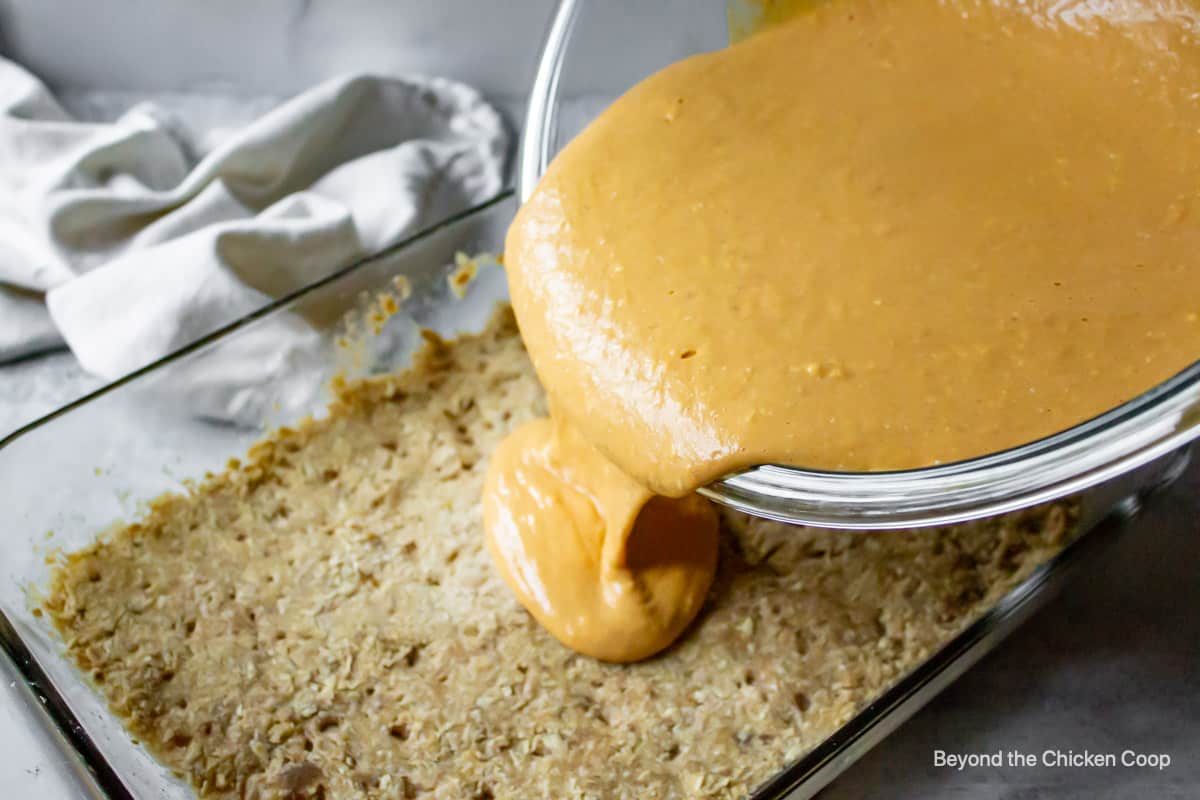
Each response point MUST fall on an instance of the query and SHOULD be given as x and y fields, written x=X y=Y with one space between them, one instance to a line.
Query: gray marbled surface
x=1112 y=664
x=38 y=385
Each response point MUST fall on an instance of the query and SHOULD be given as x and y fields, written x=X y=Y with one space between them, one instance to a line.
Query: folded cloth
x=140 y=244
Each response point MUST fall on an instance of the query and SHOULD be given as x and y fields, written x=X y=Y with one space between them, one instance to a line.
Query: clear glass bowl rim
x=1135 y=433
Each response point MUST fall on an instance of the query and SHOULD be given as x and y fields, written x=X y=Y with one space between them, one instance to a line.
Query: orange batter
x=879 y=235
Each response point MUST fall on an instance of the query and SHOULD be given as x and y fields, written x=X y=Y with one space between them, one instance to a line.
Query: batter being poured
x=879 y=235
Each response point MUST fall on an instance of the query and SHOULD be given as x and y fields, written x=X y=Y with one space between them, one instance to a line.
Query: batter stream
x=875 y=236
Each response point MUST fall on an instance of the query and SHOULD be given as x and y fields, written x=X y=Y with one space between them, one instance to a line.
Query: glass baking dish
x=578 y=76
x=71 y=475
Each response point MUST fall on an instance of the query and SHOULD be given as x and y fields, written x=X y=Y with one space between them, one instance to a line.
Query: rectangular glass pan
x=70 y=476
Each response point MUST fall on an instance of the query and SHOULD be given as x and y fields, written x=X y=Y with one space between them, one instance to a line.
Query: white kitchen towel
x=143 y=236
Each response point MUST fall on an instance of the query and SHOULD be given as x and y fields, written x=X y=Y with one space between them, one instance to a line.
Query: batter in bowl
x=876 y=236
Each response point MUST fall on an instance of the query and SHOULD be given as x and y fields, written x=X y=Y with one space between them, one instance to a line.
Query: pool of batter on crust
x=323 y=620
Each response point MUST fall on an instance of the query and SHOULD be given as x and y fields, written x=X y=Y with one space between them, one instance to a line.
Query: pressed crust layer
x=323 y=620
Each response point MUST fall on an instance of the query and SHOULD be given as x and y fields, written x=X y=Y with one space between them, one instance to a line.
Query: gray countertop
x=1108 y=666
x=1111 y=664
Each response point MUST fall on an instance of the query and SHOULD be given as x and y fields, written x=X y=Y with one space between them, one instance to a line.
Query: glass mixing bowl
x=596 y=49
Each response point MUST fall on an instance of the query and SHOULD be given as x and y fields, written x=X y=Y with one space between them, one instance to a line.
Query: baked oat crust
x=323 y=619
